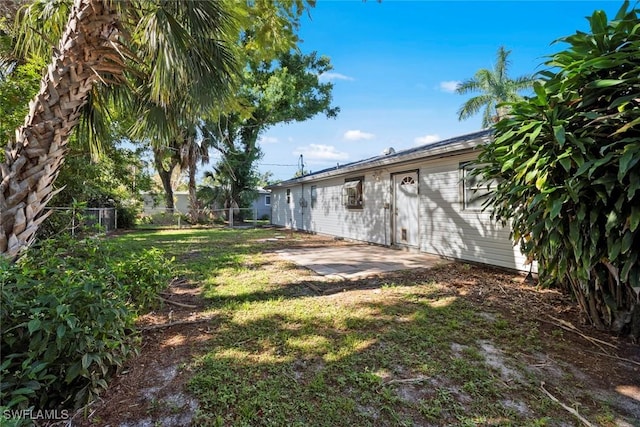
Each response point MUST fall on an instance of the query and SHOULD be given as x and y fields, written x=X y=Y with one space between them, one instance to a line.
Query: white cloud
x=268 y=140
x=357 y=135
x=329 y=76
x=449 y=86
x=320 y=152
x=427 y=139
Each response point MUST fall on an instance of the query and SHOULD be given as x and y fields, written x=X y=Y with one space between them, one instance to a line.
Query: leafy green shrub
x=140 y=277
x=127 y=217
x=61 y=222
x=67 y=315
x=568 y=163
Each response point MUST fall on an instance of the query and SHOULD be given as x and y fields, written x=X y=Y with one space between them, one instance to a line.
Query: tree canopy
x=568 y=165
x=280 y=91
x=166 y=63
x=266 y=30
x=184 y=50
x=495 y=87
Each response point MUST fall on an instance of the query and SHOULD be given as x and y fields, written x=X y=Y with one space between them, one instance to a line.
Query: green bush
x=568 y=165
x=67 y=316
x=127 y=216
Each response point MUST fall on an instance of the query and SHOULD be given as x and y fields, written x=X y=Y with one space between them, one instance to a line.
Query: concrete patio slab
x=357 y=260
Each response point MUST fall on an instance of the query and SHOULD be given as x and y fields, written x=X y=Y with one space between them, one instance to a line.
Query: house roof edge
x=450 y=145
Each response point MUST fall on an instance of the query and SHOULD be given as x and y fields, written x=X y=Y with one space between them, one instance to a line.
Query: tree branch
x=568 y=408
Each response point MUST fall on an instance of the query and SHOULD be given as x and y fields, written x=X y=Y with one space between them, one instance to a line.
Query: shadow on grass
x=408 y=351
x=391 y=361
x=419 y=356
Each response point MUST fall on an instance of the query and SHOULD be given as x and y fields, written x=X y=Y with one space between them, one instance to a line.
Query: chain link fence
x=233 y=218
x=79 y=220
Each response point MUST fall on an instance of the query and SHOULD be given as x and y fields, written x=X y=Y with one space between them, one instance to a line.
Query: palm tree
x=194 y=151
x=183 y=48
x=216 y=191
x=496 y=88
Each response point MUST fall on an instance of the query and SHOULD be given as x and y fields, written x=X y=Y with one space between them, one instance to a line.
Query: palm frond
x=495 y=86
x=502 y=63
x=41 y=24
x=93 y=129
x=473 y=106
x=522 y=83
x=470 y=85
x=488 y=116
x=189 y=49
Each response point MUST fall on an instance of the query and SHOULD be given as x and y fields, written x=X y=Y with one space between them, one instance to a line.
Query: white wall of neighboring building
x=155 y=203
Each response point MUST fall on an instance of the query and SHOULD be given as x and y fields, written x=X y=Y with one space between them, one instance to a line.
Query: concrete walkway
x=358 y=260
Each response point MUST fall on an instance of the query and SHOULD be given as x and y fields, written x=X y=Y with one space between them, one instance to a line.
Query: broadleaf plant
x=568 y=163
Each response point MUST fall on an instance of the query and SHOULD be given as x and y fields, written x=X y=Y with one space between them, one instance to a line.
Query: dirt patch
x=151 y=389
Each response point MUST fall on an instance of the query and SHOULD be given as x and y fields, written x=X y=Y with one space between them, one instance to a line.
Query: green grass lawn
x=410 y=350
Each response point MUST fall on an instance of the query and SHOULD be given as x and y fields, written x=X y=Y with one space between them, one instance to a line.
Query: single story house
x=262 y=204
x=421 y=198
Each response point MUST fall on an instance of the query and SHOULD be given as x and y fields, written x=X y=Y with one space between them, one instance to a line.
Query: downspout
x=304 y=227
x=385 y=208
x=386 y=230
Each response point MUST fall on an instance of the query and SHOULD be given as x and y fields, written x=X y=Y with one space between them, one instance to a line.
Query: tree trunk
x=86 y=51
x=194 y=205
x=165 y=178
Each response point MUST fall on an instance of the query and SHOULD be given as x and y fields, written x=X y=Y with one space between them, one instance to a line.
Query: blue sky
x=396 y=64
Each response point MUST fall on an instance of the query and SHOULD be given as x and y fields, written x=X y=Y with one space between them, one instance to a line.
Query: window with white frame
x=352 y=193
x=475 y=190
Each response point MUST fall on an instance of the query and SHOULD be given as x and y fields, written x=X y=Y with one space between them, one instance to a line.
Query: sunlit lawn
x=406 y=352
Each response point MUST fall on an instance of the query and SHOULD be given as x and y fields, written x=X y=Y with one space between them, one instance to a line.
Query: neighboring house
x=421 y=198
x=262 y=204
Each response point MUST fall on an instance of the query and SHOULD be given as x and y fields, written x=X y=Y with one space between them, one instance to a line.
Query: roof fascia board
x=392 y=160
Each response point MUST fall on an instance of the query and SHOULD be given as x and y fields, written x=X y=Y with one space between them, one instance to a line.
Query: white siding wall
x=446 y=228
x=328 y=215
x=450 y=230
x=281 y=211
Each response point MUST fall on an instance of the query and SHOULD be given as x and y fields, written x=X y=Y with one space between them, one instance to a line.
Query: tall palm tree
x=496 y=87
x=183 y=47
x=194 y=151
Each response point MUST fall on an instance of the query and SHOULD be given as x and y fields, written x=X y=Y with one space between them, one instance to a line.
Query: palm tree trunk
x=165 y=178
x=194 y=204
x=32 y=162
